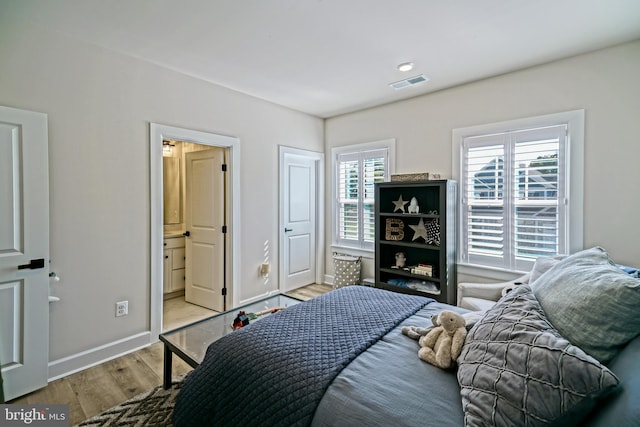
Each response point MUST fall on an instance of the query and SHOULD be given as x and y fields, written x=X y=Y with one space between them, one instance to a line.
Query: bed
x=341 y=359
x=340 y=353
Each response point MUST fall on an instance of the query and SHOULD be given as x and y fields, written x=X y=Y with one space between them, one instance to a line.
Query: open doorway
x=194 y=225
x=225 y=151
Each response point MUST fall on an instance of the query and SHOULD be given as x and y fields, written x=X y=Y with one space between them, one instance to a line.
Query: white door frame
x=319 y=159
x=157 y=133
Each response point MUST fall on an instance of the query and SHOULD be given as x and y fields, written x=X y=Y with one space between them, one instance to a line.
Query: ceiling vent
x=411 y=81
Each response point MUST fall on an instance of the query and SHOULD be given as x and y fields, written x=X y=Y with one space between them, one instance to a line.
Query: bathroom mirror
x=172 y=190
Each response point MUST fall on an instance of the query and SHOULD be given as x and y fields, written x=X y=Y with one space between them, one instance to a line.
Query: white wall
x=604 y=83
x=99 y=106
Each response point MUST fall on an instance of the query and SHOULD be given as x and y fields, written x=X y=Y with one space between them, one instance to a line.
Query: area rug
x=151 y=408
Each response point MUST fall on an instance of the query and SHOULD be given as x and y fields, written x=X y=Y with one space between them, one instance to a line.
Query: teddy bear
x=416 y=332
x=441 y=344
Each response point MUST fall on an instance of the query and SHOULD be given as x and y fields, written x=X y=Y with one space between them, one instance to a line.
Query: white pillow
x=541 y=266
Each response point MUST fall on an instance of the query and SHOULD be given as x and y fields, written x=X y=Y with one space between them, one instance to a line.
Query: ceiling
x=329 y=57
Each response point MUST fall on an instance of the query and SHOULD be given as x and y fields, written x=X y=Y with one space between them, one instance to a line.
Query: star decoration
x=420 y=230
x=400 y=204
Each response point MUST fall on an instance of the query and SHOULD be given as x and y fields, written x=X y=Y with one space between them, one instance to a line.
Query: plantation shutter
x=348 y=196
x=374 y=171
x=514 y=197
x=484 y=200
x=357 y=174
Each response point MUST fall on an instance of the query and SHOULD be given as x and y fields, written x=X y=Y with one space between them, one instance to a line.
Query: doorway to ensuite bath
x=194 y=186
x=193 y=177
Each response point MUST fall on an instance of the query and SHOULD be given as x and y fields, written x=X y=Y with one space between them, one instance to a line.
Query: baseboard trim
x=328 y=279
x=80 y=361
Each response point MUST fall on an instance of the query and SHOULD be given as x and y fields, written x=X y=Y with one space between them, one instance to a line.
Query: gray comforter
x=388 y=385
x=276 y=371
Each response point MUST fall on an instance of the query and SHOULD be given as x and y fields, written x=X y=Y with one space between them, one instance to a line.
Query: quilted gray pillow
x=591 y=302
x=516 y=369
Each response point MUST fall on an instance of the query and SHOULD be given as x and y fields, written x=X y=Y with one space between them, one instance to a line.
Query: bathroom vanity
x=174 y=273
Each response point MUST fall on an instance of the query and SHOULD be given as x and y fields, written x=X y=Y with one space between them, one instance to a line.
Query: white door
x=299 y=181
x=24 y=251
x=204 y=219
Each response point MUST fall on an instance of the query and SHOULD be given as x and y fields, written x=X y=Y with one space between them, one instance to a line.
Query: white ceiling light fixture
x=405 y=66
x=411 y=81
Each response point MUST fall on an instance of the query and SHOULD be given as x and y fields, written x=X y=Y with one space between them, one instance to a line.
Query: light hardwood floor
x=101 y=387
x=177 y=312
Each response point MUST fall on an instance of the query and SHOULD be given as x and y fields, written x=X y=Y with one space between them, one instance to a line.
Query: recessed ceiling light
x=405 y=66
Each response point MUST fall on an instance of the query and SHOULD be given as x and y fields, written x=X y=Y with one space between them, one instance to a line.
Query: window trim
x=575 y=177
x=390 y=146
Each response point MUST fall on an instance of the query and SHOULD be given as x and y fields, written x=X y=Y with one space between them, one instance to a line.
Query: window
x=357 y=169
x=517 y=191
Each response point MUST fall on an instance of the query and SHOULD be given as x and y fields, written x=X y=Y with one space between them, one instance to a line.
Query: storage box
x=410 y=177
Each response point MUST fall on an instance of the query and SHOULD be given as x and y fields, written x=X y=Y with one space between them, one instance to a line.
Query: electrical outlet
x=122 y=308
x=265 y=268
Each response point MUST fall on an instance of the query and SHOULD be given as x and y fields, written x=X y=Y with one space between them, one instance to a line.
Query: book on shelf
x=423 y=270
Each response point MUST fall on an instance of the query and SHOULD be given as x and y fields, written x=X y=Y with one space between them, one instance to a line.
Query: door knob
x=286 y=230
x=186 y=234
x=33 y=264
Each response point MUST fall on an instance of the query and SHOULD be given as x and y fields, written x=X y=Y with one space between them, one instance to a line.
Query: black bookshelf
x=425 y=234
